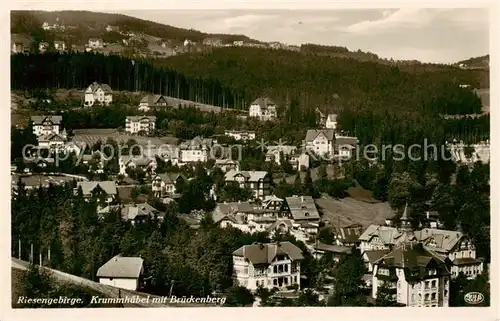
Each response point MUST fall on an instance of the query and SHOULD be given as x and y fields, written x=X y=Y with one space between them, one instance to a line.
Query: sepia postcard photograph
x=196 y=158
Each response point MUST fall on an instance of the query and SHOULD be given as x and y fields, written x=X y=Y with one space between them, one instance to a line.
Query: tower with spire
x=406 y=229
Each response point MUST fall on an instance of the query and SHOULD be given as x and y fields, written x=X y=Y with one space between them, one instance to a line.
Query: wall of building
x=124 y=283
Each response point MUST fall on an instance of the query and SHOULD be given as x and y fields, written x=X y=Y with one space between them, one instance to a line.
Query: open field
x=93 y=135
x=348 y=211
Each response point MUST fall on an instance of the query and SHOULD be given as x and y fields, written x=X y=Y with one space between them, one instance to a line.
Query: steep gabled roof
x=109 y=187
x=38 y=120
x=313 y=133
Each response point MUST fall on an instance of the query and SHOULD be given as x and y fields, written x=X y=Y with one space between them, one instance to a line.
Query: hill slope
x=84 y=24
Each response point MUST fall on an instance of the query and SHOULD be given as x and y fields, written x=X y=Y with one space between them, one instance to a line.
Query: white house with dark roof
x=320 y=141
x=451 y=245
x=46 y=125
x=136 y=213
x=152 y=101
x=107 y=187
x=416 y=276
x=270 y=265
x=163 y=185
x=140 y=124
x=122 y=272
x=227 y=165
x=98 y=93
x=257 y=181
x=145 y=163
x=195 y=150
x=19 y=43
x=345 y=146
x=275 y=152
x=263 y=108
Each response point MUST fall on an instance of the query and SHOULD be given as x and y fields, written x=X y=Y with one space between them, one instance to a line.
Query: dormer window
x=432 y=271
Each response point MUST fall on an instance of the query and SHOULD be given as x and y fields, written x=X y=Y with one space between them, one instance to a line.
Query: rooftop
x=121 y=267
x=259 y=253
x=302 y=207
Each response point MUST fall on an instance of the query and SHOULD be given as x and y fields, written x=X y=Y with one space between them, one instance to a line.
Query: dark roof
x=345 y=141
x=374 y=255
x=302 y=207
x=38 y=120
x=151 y=99
x=265 y=253
x=264 y=103
x=350 y=234
x=333 y=248
x=409 y=256
x=313 y=133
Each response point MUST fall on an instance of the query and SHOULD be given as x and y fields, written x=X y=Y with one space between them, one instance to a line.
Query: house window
x=275 y=281
x=294 y=279
x=433 y=284
x=433 y=296
x=286 y=268
x=257 y=283
x=426 y=296
x=445 y=292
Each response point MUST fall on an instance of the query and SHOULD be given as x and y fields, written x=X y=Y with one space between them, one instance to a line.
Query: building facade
x=271 y=265
x=257 y=181
x=98 y=93
x=263 y=108
x=140 y=124
x=46 y=125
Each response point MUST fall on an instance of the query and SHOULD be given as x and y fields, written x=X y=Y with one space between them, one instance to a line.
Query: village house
x=136 y=162
x=59 y=45
x=122 y=272
x=257 y=181
x=345 y=146
x=95 y=161
x=140 y=124
x=95 y=43
x=454 y=246
x=263 y=108
x=51 y=141
x=227 y=165
x=19 y=43
x=331 y=121
x=164 y=185
x=337 y=252
x=43 y=46
x=213 y=42
x=299 y=161
x=272 y=202
x=238 y=43
x=152 y=101
x=349 y=235
x=302 y=209
x=416 y=276
x=245 y=216
x=278 y=152
x=195 y=150
x=89 y=188
x=46 y=125
x=270 y=265
x=136 y=213
x=243 y=135
x=320 y=141
x=100 y=93
x=320 y=117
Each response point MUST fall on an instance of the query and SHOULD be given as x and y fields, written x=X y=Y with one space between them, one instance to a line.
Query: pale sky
x=428 y=35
